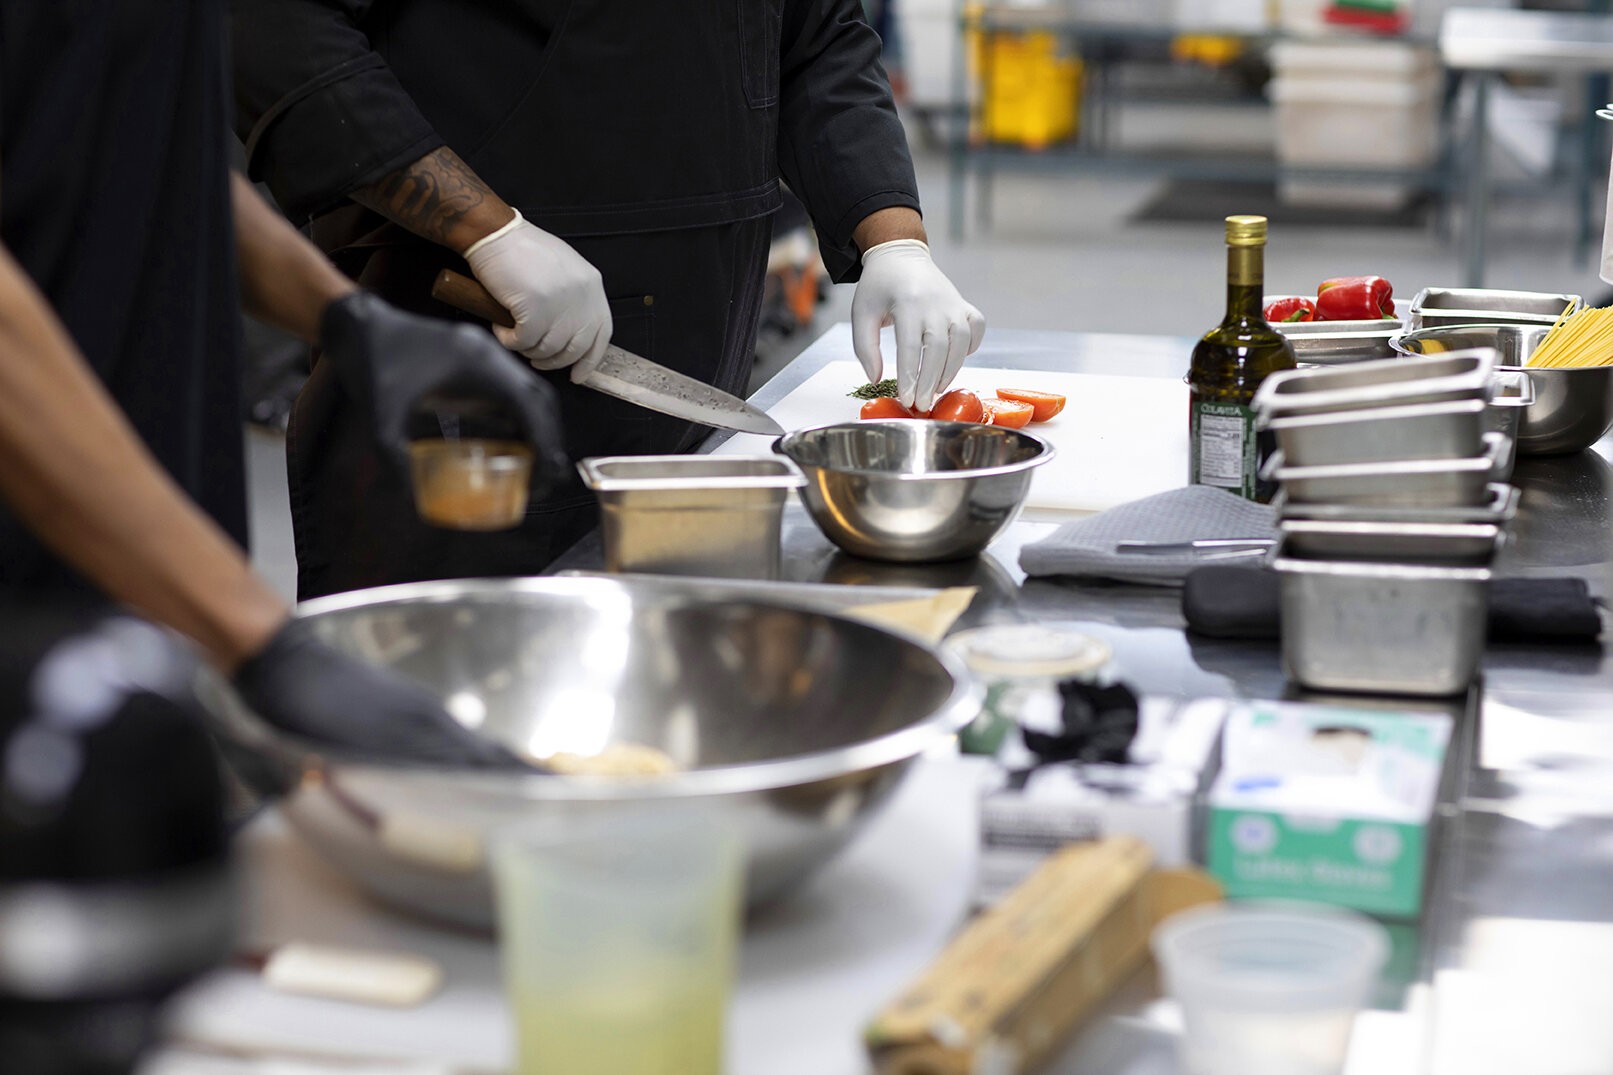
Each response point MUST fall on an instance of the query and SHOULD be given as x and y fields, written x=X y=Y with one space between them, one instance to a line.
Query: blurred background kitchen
x=1076 y=159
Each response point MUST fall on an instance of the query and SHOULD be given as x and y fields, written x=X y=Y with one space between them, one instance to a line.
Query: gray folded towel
x=1086 y=547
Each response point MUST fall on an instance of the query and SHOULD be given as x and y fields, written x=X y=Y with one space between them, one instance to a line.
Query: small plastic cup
x=1268 y=990
x=471 y=484
x=1021 y=666
x=618 y=937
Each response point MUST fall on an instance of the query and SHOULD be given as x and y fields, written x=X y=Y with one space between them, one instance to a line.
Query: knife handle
x=463 y=293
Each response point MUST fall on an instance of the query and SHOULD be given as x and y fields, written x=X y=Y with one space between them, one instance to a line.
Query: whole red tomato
x=959 y=405
x=885 y=407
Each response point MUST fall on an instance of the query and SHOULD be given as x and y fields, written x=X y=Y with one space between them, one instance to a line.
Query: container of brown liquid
x=471 y=483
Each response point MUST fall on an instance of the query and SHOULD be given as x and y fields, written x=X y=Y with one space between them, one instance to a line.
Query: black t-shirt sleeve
x=321 y=113
x=841 y=146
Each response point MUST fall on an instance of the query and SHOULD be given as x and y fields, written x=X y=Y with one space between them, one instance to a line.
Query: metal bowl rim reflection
x=1045 y=450
x=961 y=706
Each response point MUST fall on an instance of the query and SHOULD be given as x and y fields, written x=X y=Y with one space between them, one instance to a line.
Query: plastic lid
x=1246 y=231
x=1030 y=650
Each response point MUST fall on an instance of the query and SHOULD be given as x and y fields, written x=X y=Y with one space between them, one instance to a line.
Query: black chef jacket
x=651 y=134
x=114 y=197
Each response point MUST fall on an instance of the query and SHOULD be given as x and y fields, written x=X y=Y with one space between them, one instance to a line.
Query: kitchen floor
x=1063 y=253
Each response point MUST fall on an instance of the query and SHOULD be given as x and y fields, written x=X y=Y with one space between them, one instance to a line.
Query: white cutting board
x=1118 y=438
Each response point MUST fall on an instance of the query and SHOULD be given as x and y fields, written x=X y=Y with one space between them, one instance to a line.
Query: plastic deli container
x=1021 y=666
x=619 y=938
x=471 y=484
x=1268 y=990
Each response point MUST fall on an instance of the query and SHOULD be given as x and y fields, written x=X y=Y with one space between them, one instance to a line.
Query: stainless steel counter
x=1506 y=971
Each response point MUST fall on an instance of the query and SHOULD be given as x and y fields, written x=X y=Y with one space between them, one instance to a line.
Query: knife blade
x=623 y=374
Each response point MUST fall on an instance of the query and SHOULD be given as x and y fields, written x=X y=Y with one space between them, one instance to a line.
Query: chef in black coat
x=606 y=168
x=126 y=250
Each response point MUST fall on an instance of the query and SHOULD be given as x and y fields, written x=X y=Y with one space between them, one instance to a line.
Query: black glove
x=302 y=686
x=393 y=362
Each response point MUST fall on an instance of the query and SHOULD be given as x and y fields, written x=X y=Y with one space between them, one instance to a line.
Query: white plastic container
x=1268 y=990
x=1369 y=106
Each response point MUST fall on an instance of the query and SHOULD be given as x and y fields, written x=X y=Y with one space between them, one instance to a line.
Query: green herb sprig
x=885 y=389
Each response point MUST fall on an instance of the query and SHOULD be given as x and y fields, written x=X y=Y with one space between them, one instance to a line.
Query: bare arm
x=440 y=198
x=885 y=225
x=75 y=472
x=285 y=280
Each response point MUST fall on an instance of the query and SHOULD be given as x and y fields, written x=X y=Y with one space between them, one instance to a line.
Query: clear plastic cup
x=618 y=937
x=471 y=483
x=1268 y=990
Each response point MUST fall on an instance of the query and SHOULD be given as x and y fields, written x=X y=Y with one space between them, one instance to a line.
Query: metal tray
x=705 y=515
x=1468 y=544
x=1434 y=307
x=1383 y=434
x=1500 y=506
x=1338 y=348
x=1390 y=383
x=1382 y=628
x=1434 y=483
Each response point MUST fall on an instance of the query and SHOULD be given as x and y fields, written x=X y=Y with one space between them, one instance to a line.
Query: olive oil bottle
x=1228 y=365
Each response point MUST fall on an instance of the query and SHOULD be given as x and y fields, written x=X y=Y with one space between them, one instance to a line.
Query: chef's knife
x=623 y=374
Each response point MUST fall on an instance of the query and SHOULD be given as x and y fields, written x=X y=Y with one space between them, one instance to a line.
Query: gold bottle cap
x=1246 y=231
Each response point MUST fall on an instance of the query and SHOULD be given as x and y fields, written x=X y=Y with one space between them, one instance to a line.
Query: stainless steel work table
x=1508 y=969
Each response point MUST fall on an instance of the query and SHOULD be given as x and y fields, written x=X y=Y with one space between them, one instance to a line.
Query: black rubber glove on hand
x=391 y=361
x=302 y=686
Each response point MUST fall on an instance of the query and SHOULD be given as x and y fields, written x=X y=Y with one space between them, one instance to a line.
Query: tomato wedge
x=1009 y=412
x=959 y=405
x=1044 y=404
x=885 y=407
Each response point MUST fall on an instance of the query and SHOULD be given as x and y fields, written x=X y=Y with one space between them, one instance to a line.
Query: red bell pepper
x=1355 y=298
x=1285 y=310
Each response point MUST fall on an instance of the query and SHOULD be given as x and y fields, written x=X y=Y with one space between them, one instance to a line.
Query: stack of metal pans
x=1393 y=506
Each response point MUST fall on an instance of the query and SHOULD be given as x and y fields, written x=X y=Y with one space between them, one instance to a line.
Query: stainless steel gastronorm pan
x=717 y=516
x=1433 y=307
x=1382 y=628
x=1319 y=343
x=1390 y=383
x=1500 y=506
x=1430 y=483
x=1469 y=544
x=1380 y=434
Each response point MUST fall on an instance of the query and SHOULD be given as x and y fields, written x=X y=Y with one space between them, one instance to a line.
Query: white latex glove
x=935 y=329
x=556 y=297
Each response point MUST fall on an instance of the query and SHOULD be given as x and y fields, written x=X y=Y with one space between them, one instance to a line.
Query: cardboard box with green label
x=1326 y=804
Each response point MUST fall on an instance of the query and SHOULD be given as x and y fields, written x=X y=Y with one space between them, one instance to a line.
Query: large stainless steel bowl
x=794 y=724
x=1573 y=408
x=914 y=490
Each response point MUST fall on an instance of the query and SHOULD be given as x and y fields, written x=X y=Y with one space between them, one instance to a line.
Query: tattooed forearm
x=438 y=197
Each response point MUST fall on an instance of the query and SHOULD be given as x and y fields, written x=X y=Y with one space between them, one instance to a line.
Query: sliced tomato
x=1044 y=404
x=1009 y=412
x=885 y=407
x=959 y=405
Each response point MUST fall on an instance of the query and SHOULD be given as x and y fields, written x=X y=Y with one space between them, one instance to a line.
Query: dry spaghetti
x=1578 y=338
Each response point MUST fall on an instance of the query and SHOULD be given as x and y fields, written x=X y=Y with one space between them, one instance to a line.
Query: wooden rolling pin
x=1007 y=992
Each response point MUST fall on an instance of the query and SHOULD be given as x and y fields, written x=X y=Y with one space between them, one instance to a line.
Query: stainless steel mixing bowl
x=914 y=490
x=1573 y=408
x=795 y=725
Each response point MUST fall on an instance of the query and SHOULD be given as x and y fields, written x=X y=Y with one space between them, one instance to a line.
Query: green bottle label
x=1224 y=449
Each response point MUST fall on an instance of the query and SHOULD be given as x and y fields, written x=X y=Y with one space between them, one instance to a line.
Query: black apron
x=684 y=272
x=115 y=200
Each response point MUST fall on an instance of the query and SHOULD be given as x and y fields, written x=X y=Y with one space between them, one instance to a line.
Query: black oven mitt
x=1222 y=601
